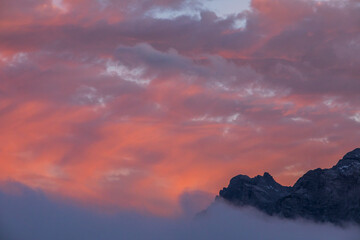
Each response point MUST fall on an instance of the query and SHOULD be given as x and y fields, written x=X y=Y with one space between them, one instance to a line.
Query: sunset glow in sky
x=138 y=104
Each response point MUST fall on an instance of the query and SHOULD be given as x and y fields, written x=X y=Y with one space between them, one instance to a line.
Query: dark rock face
x=322 y=195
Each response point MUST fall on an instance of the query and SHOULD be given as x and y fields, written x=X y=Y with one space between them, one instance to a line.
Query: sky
x=148 y=105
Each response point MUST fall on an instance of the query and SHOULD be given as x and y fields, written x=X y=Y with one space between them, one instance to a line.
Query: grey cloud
x=30 y=214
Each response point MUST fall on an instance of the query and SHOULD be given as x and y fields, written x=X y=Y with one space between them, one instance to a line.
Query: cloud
x=29 y=214
x=101 y=100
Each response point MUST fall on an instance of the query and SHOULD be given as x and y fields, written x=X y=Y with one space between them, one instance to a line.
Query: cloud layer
x=28 y=214
x=108 y=104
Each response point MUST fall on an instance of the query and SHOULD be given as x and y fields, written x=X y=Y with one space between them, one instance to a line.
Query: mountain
x=323 y=195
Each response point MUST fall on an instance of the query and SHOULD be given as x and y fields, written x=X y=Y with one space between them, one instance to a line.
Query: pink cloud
x=107 y=106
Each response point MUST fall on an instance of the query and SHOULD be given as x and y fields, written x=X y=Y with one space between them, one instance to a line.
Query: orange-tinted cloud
x=121 y=109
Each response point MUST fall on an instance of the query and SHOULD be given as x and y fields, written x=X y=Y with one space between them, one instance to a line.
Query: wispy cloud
x=99 y=90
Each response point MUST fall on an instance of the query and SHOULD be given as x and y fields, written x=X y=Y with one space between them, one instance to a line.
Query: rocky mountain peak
x=324 y=195
x=353 y=155
x=350 y=163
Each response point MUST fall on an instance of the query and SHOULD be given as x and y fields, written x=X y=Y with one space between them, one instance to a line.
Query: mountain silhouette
x=323 y=195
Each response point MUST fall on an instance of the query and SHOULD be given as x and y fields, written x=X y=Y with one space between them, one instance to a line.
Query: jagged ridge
x=323 y=195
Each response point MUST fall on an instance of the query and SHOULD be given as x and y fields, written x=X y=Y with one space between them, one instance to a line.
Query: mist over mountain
x=29 y=214
x=268 y=211
x=323 y=195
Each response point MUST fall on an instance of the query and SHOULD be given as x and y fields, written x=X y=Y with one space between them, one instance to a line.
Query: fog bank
x=29 y=214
